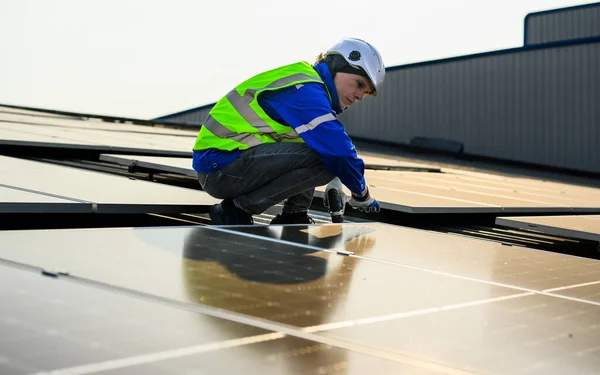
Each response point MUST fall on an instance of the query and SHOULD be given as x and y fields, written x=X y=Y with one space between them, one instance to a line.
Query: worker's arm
x=307 y=109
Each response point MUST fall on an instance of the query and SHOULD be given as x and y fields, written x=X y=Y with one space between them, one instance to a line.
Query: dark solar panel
x=486 y=261
x=47 y=324
x=108 y=193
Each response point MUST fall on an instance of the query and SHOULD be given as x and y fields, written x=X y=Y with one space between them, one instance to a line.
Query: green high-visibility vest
x=238 y=122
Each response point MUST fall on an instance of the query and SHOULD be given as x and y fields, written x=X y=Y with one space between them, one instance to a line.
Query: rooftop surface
x=110 y=264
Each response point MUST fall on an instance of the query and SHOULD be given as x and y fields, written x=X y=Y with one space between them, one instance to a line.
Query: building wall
x=194 y=116
x=571 y=23
x=537 y=104
x=533 y=105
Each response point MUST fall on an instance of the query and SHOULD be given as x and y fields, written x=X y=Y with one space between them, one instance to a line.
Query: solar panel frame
x=107 y=193
x=15 y=200
x=573 y=226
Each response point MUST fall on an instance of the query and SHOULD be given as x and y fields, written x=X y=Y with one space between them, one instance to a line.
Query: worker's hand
x=366 y=203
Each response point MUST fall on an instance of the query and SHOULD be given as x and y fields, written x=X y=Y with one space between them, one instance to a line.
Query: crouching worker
x=275 y=137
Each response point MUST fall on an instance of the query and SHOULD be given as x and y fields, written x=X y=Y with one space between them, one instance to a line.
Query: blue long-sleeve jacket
x=296 y=106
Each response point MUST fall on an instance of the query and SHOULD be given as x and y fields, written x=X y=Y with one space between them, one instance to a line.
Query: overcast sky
x=147 y=58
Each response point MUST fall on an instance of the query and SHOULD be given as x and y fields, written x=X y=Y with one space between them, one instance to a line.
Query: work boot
x=293 y=218
x=226 y=213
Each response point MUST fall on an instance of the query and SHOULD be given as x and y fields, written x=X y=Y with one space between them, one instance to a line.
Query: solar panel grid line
x=474 y=192
x=530 y=335
x=574 y=286
x=537 y=235
x=465 y=305
x=412 y=313
x=507 y=203
x=554 y=190
x=468 y=235
x=542 y=292
x=412 y=309
x=481 y=192
x=505 y=237
x=513 y=235
x=458 y=233
x=503 y=180
x=26 y=135
x=427 y=270
x=379 y=187
x=505 y=184
x=278 y=328
x=44 y=193
x=45 y=315
x=121 y=363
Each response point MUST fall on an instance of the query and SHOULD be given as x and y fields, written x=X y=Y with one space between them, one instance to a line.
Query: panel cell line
x=472 y=307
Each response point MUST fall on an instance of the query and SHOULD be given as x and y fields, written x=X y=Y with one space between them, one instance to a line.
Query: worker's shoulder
x=307 y=92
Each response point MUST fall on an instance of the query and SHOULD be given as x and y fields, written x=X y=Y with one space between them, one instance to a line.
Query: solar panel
x=181 y=166
x=44 y=130
x=520 y=334
x=585 y=227
x=23 y=119
x=254 y=276
x=415 y=192
x=459 y=304
x=14 y=200
x=288 y=355
x=486 y=261
x=20 y=111
x=531 y=188
x=412 y=192
x=54 y=325
x=108 y=193
x=48 y=324
x=79 y=136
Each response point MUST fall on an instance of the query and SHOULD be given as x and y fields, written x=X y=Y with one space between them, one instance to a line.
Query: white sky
x=148 y=58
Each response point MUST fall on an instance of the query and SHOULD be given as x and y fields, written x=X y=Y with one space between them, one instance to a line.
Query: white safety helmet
x=360 y=54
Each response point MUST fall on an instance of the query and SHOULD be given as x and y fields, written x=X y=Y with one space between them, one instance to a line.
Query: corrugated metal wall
x=191 y=116
x=563 y=24
x=537 y=106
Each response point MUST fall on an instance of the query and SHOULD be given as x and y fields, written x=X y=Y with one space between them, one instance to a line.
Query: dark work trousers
x=267 y=174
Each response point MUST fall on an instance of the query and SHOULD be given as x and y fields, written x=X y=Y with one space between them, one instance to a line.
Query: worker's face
x=351 y=87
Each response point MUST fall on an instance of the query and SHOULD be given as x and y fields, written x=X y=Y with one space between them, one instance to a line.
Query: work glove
x=365 y=203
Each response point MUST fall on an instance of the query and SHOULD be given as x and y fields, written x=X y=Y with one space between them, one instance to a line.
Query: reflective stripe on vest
x=248 y=125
